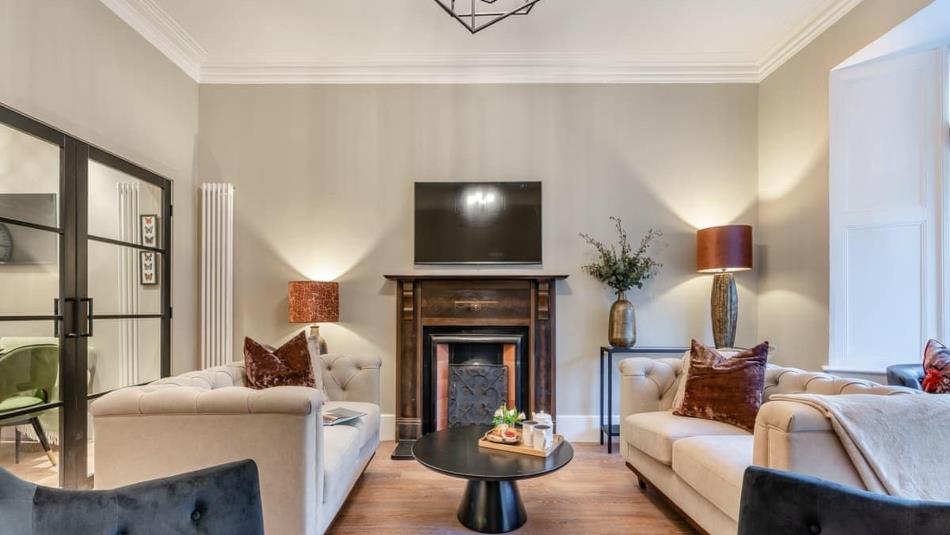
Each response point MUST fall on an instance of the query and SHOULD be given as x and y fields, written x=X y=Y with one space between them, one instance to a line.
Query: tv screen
x=478 y=223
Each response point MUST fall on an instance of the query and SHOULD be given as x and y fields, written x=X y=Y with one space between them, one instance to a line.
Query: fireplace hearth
x=464 y=343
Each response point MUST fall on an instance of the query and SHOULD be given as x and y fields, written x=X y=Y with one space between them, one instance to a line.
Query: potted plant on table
x=622 y=270
x=505 y=420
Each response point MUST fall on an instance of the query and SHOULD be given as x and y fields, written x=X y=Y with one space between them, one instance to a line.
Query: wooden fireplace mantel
x=492 y=276
x=472 y=301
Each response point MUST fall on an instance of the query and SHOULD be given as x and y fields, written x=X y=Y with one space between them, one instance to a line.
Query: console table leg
x=492 y=507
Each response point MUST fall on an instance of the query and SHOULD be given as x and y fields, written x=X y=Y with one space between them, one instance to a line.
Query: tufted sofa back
x=344 y=378
x=667 y=373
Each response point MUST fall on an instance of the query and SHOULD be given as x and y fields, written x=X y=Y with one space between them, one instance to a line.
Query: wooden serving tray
x=518 y=448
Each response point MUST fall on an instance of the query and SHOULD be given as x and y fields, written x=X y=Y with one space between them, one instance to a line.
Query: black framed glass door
x=85 y=301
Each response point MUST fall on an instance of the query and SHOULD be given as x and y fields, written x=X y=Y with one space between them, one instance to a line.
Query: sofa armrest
x=171 y=399
x=351 y=378
x=798 y=438
x=154 y=431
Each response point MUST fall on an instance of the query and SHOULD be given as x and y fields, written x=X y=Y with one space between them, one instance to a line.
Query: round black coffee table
x=491 y=503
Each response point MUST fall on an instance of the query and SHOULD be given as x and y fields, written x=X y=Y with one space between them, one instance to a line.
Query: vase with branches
x=622 y=268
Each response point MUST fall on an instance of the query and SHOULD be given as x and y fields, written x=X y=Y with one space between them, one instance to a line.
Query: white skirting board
x=574 y=427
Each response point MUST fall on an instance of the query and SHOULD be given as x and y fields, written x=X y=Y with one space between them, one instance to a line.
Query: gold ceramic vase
x=622 y=328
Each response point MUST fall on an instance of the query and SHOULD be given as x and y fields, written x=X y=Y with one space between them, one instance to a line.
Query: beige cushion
x=368 y=426
x=654 y=433
x=714 y=466
x=340 y=456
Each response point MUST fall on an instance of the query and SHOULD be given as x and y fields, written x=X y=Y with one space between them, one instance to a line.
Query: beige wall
x=76 y=66
x=793 y=184
x=324 y=191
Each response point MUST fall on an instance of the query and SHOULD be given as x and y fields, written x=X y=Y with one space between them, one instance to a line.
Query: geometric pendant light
x=476 y=15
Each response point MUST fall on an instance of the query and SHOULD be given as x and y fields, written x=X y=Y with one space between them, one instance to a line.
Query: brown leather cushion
x=288 y=365
x=724 y=389
x=936 y=368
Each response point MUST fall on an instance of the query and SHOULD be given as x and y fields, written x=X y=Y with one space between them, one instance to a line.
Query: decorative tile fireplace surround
x=466 y=344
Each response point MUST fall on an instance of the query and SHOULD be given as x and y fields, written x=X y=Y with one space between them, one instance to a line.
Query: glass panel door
x=31 y=299
x=128 y=210
x=85 y=303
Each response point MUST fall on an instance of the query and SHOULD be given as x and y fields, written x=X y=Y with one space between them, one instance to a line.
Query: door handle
x=69 y=320
x=89 y=320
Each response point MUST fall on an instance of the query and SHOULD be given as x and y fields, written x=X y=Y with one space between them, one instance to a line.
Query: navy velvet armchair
x=779 y=503
x=222 y=500
x=909 y=375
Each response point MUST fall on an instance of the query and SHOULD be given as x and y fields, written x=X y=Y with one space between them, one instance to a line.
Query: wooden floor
x=33 y=466
x=596 y=493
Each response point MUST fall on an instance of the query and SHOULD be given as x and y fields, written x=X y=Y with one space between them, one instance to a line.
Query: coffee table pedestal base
x=492 y=507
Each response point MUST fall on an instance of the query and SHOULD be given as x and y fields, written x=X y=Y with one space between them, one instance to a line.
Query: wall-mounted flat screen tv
x=478 y=223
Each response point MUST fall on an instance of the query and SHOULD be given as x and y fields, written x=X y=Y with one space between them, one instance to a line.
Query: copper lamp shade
x=724 y=249
x=313 y=302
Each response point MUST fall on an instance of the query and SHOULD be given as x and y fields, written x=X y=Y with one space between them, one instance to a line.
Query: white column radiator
x=128 y=193
x=217 y=274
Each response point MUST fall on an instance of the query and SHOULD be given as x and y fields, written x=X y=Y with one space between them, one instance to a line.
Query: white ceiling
x=414 y=41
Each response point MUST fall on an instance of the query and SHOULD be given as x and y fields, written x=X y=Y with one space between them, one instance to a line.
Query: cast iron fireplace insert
x=469 y=371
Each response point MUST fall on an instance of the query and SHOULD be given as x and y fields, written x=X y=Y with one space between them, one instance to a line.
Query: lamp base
x=725 y=309
x=321 y=342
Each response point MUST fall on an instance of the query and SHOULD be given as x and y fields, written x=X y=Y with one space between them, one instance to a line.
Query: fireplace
x=468 y=373
x=464 y=343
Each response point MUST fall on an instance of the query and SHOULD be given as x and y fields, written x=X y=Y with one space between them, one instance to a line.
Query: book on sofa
x=340 y=415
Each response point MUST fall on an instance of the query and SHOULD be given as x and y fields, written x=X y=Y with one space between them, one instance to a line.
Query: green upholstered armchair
x=28 y=378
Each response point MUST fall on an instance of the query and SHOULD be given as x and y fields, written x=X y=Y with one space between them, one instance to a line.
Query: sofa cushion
x=654 y=433
x=341 y=451
x=728 y=390
x=288 y=365
x=368 y=425
x=713 y=466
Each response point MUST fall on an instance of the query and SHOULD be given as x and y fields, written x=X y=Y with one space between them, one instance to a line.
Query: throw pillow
x=313 y=345
x=288 y=365
x=684 y=372
x=936 y=368
x=727 y=390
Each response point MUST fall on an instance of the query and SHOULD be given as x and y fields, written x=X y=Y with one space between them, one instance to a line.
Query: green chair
x=28 y=379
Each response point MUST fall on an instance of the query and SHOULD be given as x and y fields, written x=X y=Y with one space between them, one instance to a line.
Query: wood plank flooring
x=33 y=466
x=596 y=493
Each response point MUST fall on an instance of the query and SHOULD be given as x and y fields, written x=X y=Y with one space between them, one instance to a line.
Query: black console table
x=608 y=429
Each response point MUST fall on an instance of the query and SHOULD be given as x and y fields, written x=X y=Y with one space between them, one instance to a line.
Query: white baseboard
x=387 y=427
x=574 y=427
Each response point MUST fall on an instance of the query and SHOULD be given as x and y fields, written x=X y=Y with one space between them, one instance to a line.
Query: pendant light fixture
x=476 y=15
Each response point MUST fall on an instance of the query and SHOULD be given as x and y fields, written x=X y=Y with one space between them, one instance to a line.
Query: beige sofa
x=209 y=417
x=698 y=464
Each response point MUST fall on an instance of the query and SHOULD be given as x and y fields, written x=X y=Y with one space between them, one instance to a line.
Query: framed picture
x=148 y=229
x=148 y=268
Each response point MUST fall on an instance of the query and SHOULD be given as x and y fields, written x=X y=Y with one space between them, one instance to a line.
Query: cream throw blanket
x=898 y=444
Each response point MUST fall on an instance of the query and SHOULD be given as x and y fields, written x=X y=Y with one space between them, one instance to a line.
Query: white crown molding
x=803 y=35
x=158 y=28
x=161 y=30
x=487 y=69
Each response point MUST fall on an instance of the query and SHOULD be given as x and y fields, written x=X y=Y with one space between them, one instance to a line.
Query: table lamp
x=314 y=302
x=724 y=251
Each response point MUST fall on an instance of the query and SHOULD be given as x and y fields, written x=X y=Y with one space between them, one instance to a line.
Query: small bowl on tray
x=497 y=438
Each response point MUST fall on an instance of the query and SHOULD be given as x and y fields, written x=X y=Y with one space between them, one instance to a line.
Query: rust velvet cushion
x=936 y=368
x=727 y=390
x=288 y=365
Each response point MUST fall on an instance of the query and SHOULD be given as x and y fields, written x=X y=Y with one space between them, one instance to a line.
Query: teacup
x=527 y=432
x=542 y=435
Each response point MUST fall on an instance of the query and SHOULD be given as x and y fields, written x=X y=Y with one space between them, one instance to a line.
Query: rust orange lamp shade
x=313 y=302
x=723 y=251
